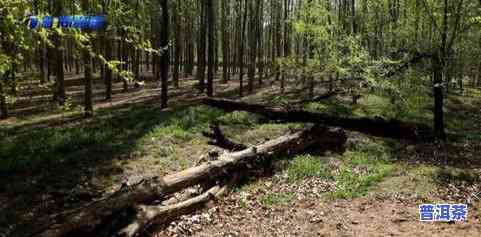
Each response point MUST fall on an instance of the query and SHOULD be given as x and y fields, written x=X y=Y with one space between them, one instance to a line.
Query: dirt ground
x=240 y=214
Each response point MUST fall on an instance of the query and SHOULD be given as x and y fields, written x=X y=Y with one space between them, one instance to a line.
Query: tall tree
x=211 y=49
x=87 y=60
x=178 y=42
x=201 y=47
x=241 y=48
x=225 y=7
x=164 y=58
x=3 y=100
x=252 y=34
x=59 y=57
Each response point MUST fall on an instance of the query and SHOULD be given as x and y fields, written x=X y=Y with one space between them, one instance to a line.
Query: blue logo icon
x=78 y=22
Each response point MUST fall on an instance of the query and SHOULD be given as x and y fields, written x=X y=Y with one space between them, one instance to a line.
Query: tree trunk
x=438 y=99
x=164 y=60
x=148 y=215
x=252 y=45
x=371 y=126
x=178 y=43
x=108 y=71
x=201 y=48
x=225 y=6
x=211 y=54
x=260 y=42
x=59 y=51
x=241 y=50
x=88 y=103
x=3 y=102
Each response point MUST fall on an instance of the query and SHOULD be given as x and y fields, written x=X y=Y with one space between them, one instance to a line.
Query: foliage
x=306 y=166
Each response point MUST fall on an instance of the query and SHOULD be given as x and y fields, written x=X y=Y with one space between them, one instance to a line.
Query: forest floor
x=54 y=160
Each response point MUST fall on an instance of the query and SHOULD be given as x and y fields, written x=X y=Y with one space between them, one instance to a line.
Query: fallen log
x=147 y=215
x=87 y=218
x=372 y=126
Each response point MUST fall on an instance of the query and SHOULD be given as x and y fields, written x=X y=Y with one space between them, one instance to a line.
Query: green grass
x=363 y=167
x=110 y=133
x=274 y=199
x=306 y=166
x=456 y=175
x=239 y=118
x=359 y=174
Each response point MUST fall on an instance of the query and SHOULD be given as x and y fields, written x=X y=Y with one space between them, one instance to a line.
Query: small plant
x=239 y=118
x=306 y=166
x=273 y=199
x=68 y=105
x=361 y=171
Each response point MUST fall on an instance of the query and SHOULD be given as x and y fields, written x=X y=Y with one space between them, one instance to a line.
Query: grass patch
x=306 y=166
x=109 y=134
x=273 y=199
x=367 y=164
x=331 y=106
x=239 y=118
x=473 y=136
x=359 y=174
x=456 y=175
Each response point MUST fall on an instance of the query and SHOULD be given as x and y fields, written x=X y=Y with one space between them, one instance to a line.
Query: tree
x=178 y=41
x=59 y=58
x=241 y=47
x=164 y=58
x=225 y=8
x=201 y=47
x=211 y=54
x=87 y=60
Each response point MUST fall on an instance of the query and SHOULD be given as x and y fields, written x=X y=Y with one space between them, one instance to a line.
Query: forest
x=240 y=118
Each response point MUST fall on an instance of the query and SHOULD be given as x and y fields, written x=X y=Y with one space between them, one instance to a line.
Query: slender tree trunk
x=225 y=5
x=241 y=51
x=164 y=60
x=42 y=63
x=278 y=37
x=260 y=42
x=87 y=60
x=108 y=72
x=201 y=48
x=178 y=43
x=438 y=99
x=59 y=51
x=211 y=54
x=252 y=45
x=123 y=53
x=3 y=102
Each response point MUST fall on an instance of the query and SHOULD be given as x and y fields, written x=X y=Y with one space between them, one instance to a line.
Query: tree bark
x=225 y=6
x=3 y=102
x=88 y=103
x=201 y=48
x=220 y=140
x=147 y=215
x=108 y=71
x=178 y=43
x=372 y=126
x=164 y=58
x=59 y=61
x=211 y=48
x=252 y=38
x=241 y=50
